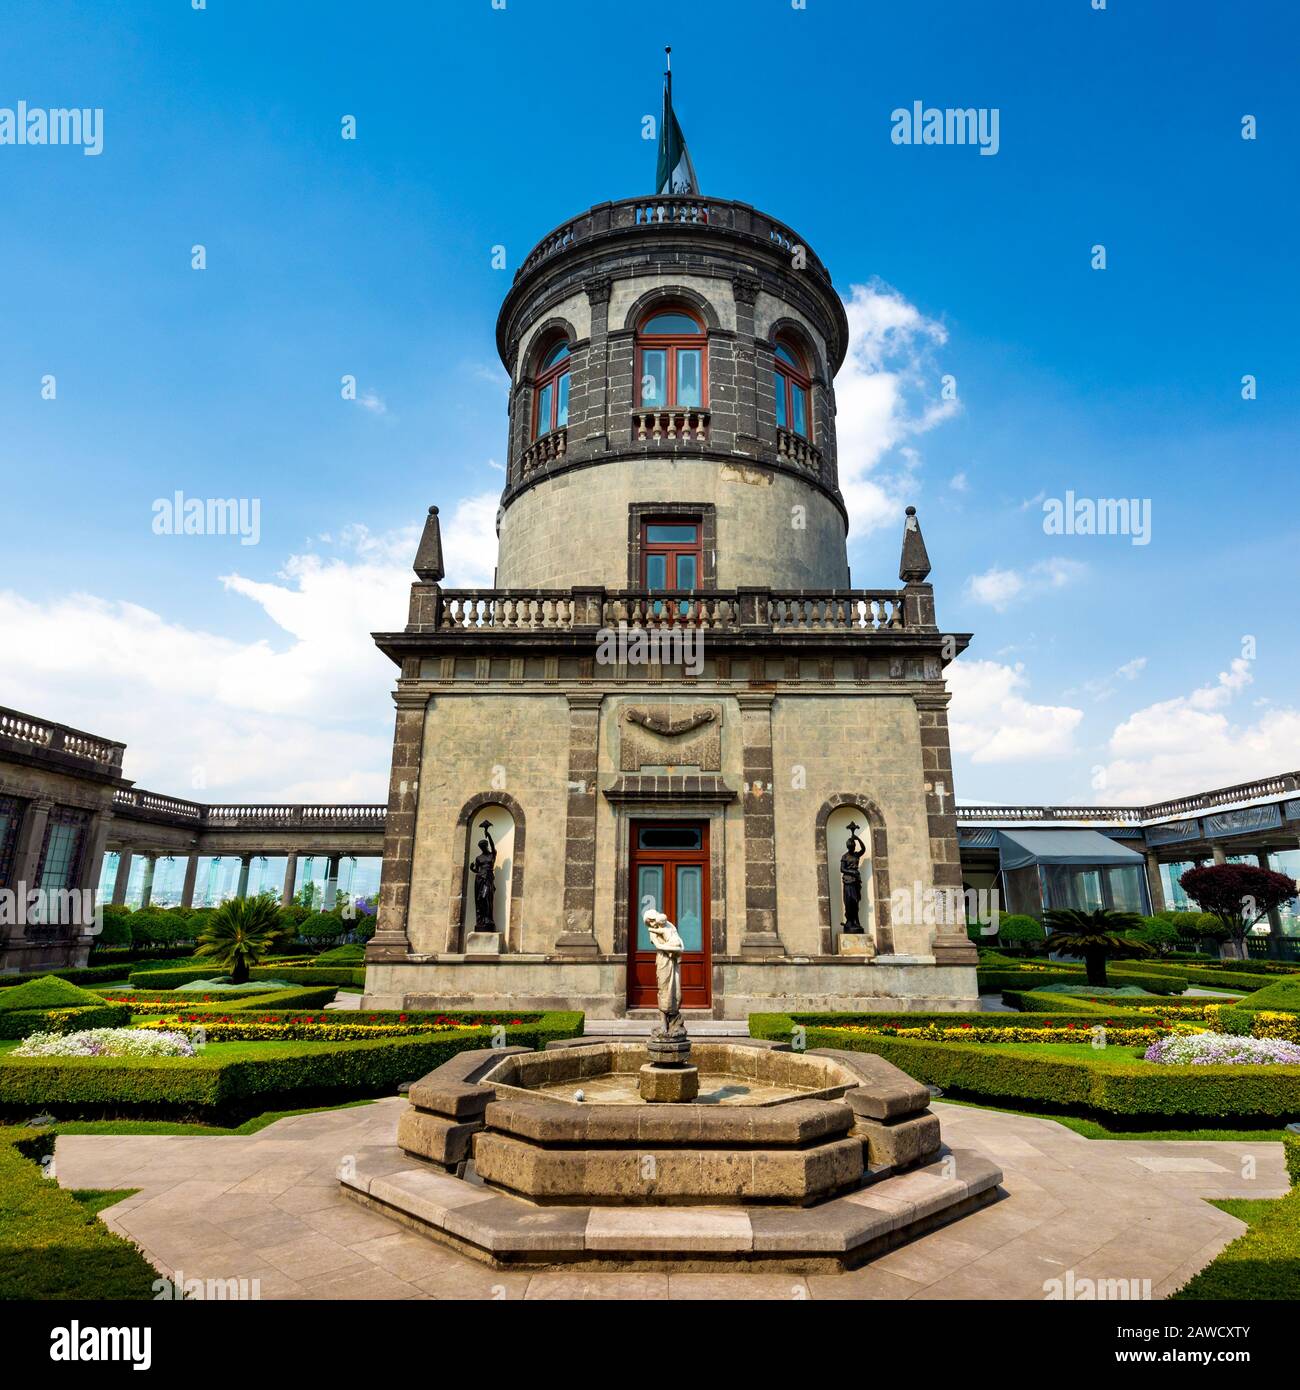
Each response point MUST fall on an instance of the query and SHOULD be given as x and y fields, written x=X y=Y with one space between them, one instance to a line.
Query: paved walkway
x=268 y=1207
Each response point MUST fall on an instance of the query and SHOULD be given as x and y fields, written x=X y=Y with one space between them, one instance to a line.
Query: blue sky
x=1100 y=670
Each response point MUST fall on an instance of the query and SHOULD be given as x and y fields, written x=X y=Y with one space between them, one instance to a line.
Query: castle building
x=673 y=695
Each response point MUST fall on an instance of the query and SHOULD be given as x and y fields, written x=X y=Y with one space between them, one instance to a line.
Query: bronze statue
x=851 y=879
x=485 y=886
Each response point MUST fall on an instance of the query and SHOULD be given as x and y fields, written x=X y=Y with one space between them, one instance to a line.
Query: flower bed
x=1222 y=1049
x=1084 y=1032
x=106 y=1042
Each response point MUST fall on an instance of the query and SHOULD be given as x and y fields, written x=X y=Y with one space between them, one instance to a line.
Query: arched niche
x=506 y=818
x=837 y=839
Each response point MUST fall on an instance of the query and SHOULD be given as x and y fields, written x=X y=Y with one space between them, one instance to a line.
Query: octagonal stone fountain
x=810 y=1162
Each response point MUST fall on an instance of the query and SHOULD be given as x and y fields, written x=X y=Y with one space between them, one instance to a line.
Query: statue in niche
x=483 y=866
x=668 y=973
x=851 y=879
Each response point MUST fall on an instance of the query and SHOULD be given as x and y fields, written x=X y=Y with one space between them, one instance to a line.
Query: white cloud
x=999 y=588
x=1190 y=744
x=959 y=482
x=992 y=721
x=886 y=393
x=302 y=716
x=373 y=402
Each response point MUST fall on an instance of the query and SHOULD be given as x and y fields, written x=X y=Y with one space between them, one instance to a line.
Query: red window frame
x=672 y=550
x=550 y=376
x=792 y=376
x=671 y=344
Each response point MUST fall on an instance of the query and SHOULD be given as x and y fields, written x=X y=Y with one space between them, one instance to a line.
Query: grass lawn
x=93 y=1200
x=1263 y=1263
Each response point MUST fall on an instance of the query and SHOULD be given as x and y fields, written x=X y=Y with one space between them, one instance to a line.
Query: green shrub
x=312 y=974
x=1291 y=1152
x=1020 y=929
x=82 y=975
x=20 y=1023
x=48 y=992
x=272 y=999
x=168 y=977
x=321 y=926
x=1134 y=1090
x=50 y=1246
x=1283 y=994
x=351 y=954
x=214 y=1088
x=116 y=926
x=994 y=979
x=1208 y=927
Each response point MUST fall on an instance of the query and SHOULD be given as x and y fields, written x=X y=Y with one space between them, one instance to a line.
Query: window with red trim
x=671 y=553
x=551 y=389
x=793 y=388
x=672 y=361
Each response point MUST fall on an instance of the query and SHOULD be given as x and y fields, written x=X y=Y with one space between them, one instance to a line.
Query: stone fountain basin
x=731 y=1074
x=842 y=1165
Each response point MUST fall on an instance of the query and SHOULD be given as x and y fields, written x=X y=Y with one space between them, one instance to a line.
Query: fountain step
x=831 y=1236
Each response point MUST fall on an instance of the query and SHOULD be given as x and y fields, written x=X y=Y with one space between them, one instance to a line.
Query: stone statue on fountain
x=668 y=973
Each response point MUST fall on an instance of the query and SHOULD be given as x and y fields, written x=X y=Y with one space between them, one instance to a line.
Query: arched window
x=551 y=390
x=672 y=361
x=793 y=388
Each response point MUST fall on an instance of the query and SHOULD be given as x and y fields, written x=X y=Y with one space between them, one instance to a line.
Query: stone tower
x=672 y=695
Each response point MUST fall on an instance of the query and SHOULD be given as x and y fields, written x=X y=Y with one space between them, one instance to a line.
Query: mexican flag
x=675 y=172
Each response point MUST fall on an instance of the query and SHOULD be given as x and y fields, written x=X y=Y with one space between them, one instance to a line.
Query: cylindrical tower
x=671 y=364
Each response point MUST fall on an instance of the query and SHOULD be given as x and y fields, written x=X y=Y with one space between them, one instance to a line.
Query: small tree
x=1238 y=895
x=1161 y=934
x=1096 y=936
x=1018 y=929
x=240 y=934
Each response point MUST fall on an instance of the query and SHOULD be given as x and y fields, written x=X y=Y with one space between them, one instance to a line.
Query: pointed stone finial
x=915 y=563
x=428 y=558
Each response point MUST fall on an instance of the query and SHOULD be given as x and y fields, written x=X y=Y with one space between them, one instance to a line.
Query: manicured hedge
x=213 y=1088
x=84 y=975
x=1283 y=995
x=312 y=974
x=20 y=1023
x=994 y=979
x=1131 y=1089
x=50 y=1247
x=273 y=999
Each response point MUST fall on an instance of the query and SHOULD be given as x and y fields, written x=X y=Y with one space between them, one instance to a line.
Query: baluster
x=656 y=433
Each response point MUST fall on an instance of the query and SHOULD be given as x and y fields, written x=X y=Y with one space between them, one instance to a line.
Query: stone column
x=31 y=840
x=595 y=427
x=92 y=863
x=579 y=935
x=1274 y=919
x=123 y=879
x=1155 y=886
x=191 y=877
x=951 y=944
x=331 y=881
x=391 y=940
x=761 y=938
x=745 y=289
x=1219 y=853
x=146 y=892
x=241 y=887
x=290 y=877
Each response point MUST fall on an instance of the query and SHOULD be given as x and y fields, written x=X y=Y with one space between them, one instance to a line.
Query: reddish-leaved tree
x=1238 y=895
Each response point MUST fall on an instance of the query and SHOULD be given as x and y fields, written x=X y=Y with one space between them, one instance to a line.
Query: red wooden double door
x=670 y=872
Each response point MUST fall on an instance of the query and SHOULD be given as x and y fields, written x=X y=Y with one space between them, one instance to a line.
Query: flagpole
x=668 y=56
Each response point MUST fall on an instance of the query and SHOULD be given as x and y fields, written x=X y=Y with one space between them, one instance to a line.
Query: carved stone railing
x=835 y=611
x=794 y=448
x=1284 y=784
x=59 y=738
x=693 y=214
x=670 y=426
x=248 y=815
x=544 y=450
x=171 y=807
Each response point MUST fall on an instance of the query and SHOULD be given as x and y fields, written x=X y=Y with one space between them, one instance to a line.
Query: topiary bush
x=1020 y=930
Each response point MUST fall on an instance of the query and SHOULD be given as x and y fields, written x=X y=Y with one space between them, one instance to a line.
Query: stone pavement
x=268 y=1207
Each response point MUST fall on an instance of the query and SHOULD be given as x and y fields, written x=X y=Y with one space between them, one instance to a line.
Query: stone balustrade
x=671 y=426
x=657 y=214
x=59 y=738
x=545 y=450
x=248 y=816
x=794 y=448
x=851 y=612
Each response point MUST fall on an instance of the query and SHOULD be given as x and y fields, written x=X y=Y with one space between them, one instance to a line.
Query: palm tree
x=239 y=934
x=1096 y=936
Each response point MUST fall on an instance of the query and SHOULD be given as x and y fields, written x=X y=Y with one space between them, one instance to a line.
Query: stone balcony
x=57 y=742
